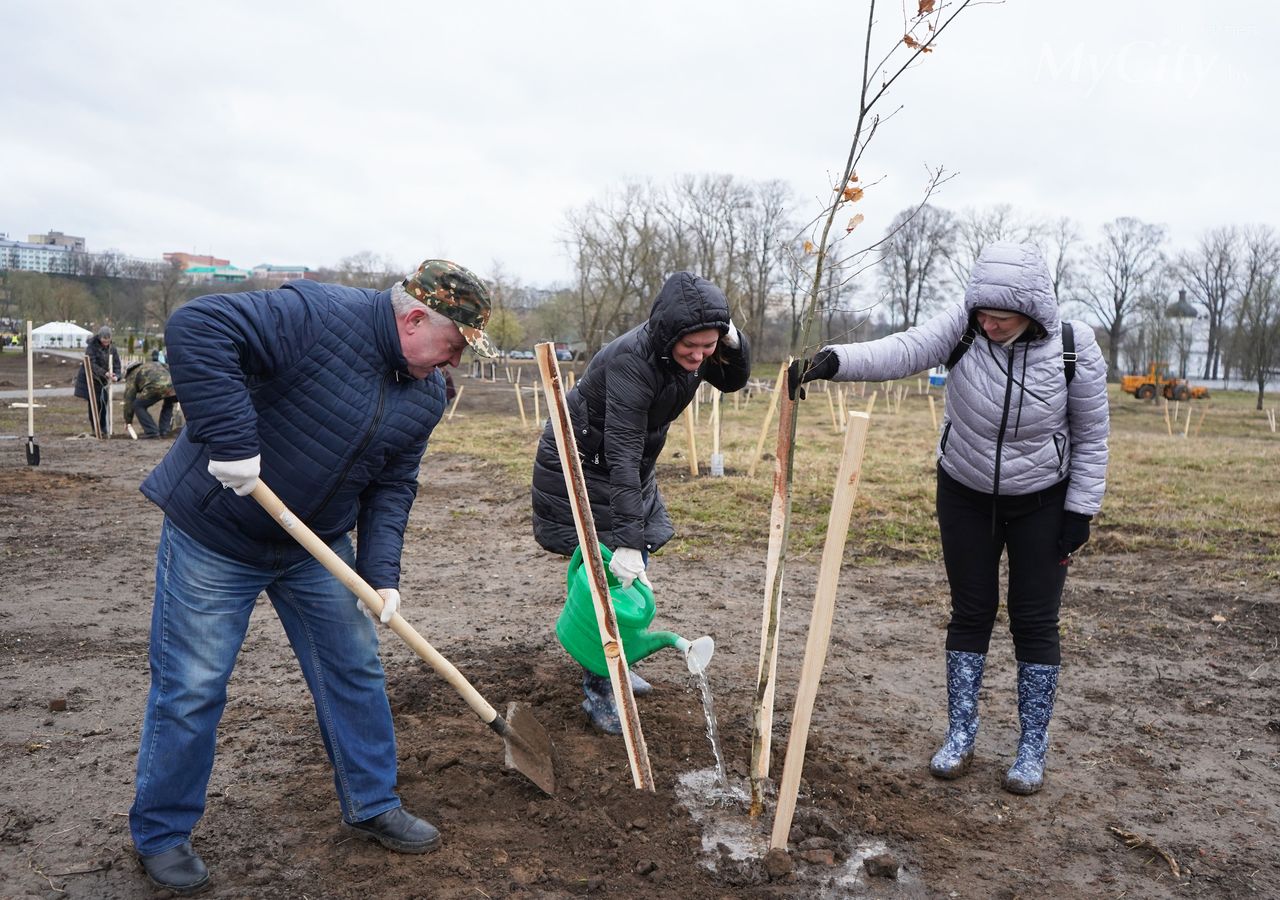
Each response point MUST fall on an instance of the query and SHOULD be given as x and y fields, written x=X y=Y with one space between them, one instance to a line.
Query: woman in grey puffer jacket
x=1022 y=460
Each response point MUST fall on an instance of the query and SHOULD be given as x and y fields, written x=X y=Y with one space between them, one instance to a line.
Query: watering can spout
x=645 y=643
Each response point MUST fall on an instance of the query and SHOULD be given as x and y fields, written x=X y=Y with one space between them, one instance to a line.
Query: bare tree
x=1258 y=319
x=1212 y=274
x=975 y=228
x=912 y=258
x=1128 y=255
x=766 y=220
x=1057 y=240
x=169 y=290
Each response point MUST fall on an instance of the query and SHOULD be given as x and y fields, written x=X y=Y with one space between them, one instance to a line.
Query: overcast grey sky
x=298 y=133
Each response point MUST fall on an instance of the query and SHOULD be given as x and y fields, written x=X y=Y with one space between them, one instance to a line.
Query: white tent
x=59 y=335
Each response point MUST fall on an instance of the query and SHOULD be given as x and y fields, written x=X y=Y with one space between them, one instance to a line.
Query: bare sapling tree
x=920 y=29
x=1129 y=254
x=1212 y=272
x=1258 y=323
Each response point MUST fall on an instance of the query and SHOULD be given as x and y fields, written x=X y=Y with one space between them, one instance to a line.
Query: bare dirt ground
x=1167 y=725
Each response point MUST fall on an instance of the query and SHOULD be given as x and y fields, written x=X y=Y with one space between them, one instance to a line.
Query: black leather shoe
x=178 y=869
x=397 y=830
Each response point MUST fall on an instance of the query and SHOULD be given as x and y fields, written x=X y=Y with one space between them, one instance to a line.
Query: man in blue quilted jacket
x=329 y=393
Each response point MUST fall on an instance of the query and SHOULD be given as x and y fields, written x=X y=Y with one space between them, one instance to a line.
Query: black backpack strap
x=966 y=341
x=1068 y=351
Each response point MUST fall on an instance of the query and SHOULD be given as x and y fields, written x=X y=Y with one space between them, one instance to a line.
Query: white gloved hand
x=241 y=475
x=731 y=339
x=390 y=605
x=627 y=565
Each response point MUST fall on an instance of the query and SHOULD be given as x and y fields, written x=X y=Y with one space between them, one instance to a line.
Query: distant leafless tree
x=913 y=260
x=974 y=228
x=1059 y=240
x=1212 y=274
x=1120 y=265
x=1257 y=333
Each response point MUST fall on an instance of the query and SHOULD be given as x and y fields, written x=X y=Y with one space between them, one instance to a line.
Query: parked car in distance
x=520 y=354
x=564 y=355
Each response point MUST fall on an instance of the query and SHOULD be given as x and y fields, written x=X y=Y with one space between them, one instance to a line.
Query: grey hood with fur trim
x=1011 y=426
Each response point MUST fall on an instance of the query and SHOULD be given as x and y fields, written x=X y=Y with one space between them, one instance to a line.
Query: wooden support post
x=780 y=387
x=919 y=387
x=779 y=514
x=871 y=405
x=537 y=411
x=835 y=419
x=842 y=418
x=693 y=441
x=93 y=396
x=1176 y=408
x=824 y=606
x=524 y=420
x=933 y=412
x=569 y=381
x=456 y=397
x=715 y=423
x=1186 y=427
x=580 y=502
x=1167 y=424
x=1204 y=412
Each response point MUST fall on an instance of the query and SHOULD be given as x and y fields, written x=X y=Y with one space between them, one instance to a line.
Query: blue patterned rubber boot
x=1037 y=685
x=599 y=705
x=639 y=686
x=964 y=678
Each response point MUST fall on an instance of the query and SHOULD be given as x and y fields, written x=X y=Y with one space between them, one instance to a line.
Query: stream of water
x=713 y=733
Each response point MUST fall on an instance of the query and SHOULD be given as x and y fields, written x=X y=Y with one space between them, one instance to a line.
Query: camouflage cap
x=455 y=292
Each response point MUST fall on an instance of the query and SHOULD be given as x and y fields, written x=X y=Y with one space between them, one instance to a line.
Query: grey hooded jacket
x=1012 y=426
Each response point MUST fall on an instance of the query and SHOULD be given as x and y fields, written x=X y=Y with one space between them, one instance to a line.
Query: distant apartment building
x=190 y=259
x=281 y=274
x=40 y=255
x=57 y=239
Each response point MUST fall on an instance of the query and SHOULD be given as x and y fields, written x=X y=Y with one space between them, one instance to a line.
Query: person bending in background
x=621 y=408
x=145 y=385
x=1022 y=460
x=330 y=393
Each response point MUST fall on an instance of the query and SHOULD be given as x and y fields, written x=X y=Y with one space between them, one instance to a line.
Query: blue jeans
x=202 y=606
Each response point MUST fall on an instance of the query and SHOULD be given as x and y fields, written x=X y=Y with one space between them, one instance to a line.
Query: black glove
x=824 y=366
x=1075 y=533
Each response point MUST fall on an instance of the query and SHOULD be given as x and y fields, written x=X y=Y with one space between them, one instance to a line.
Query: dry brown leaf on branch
x=915 y=45
x=808 y=247
x=853 y=223
x=852 y=194
x=926 y=7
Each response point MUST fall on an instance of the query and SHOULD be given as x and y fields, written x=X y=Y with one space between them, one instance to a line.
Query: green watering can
x=633 y=607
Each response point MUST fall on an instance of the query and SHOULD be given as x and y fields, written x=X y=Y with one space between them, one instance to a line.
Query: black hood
x=686 y=303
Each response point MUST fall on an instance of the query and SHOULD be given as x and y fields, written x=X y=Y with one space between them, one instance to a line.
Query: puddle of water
x=723 y=817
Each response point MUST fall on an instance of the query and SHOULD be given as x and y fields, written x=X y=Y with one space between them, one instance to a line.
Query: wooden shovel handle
x=321 y=551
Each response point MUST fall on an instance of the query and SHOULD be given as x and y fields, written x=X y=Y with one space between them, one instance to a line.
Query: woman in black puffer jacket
x=621 y=408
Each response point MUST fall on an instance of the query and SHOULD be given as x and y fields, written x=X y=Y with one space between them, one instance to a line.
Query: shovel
x=33 y=449
x=528 y=747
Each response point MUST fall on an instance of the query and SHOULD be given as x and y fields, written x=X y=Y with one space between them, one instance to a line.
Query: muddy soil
x=1167 y=726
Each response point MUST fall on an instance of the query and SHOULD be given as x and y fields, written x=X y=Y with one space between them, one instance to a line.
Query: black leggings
x=973 y=537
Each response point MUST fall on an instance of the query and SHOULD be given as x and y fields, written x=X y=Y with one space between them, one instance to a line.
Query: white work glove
x=731 y=337
x=390 y=604
x=627 y=565
x=241 y=475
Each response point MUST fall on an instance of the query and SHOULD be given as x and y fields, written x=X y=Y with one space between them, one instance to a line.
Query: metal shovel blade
x=33 y=452
x=528 y=746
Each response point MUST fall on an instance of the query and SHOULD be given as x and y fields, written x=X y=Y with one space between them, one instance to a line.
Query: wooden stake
x=933 y=412
x=842 y=420
x=1186 y=427
x=779 y=523
x=824 y=606
x=1167 y=424
x=871 y=405
x=835 y=419
x=715 y=423
x=93 y=396
x=524 y=420
x=456 y=397
x=569 y=383
x=580 y=502
x=693 y=442
x=779 y=387
x=1175 y=410
x=1204 y=412
x=919 y=388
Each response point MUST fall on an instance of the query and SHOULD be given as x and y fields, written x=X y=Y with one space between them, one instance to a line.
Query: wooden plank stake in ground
x=779 y=387
x=933 y=412
x=1200 y=421
x=537 y=410
x=1186 y=427
x=456 y=397
x=610 y=639
x=824 y=607
x=871 y=404
x=779 y=524
x=524 y=420
x=1167 y=424
x=693 y=441
x=93 y=400
x=835 y=419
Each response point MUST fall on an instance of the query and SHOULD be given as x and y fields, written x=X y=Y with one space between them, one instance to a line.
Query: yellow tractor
x=1158 y=380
